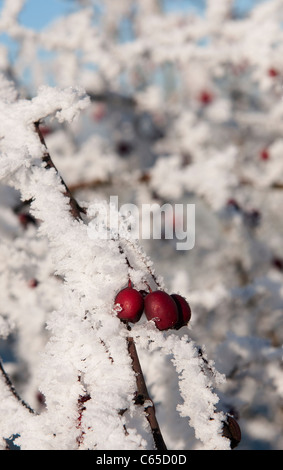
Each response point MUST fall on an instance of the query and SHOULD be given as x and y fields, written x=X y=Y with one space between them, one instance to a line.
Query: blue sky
x=38 y=13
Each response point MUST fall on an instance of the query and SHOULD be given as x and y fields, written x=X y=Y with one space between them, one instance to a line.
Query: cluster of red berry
x=167 y=311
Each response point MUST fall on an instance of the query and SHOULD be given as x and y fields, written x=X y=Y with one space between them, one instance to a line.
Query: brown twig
x=92 y=184
x=142 y=397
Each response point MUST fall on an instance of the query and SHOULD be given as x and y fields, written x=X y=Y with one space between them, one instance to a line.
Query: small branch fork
x=142 y=397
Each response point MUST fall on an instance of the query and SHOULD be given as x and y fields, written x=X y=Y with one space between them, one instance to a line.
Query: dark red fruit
x=205 y=97
x=124 y=148
x=277 y=263
x=232 y=431
x=33 y=283
x=45 y=130
x=184 y=311
x=264 y=154
x=161 y=308
x=129 y=304
x=272 y=72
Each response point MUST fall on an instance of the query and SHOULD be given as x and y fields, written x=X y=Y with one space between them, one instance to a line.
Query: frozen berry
x=184 y=311
x=129 y=304
x=162 y=309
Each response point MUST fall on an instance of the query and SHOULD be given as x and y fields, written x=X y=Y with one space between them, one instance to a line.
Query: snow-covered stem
x=75 y=208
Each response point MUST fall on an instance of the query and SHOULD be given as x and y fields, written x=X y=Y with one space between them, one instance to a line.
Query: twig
x=142 y=397
x=13 y=390
x=92 y=184
x=115 y=99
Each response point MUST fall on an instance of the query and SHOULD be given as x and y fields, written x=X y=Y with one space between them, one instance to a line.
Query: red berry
x=233 y=203
x=33 y=283
x=161 y=308
x=129 y=304
x=272 y=72
x=205 y=97
x=184 y=311
x=40 y=398
x=45 y=130
x=99 y=112
x=264 y=154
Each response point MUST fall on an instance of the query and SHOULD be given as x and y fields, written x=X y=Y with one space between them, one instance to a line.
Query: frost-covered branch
x=194 y=116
